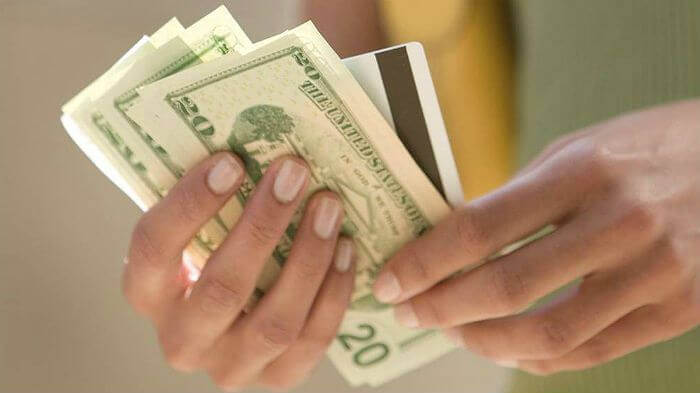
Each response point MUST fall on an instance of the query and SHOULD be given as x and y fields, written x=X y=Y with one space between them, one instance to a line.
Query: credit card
x=398 y=82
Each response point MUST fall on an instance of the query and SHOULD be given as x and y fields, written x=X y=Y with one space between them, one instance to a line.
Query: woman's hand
x=200 y=324
x=625 y=196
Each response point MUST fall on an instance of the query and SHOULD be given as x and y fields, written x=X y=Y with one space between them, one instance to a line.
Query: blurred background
x=64 y=228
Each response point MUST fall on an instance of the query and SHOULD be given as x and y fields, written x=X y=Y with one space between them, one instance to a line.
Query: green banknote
x=140 y=166
x=292 y=95
x=183 y=94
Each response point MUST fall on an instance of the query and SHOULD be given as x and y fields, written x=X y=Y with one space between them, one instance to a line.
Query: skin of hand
x=201 y=324
x=351 y=27
x=625 y=198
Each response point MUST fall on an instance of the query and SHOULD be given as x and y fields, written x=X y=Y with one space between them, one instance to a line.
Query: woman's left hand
x=625 y=197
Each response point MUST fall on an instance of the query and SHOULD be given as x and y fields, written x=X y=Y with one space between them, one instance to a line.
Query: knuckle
x=479 y=344
x=177 y=357
x=507 y=289
x=144 y=250
x=660 y=315
x=553 y=338
x=219 y=295
x=641 y=217
x=479 y=338
x=414 y=267
x=262 y=229
x=596 y=160
x=431 y=312
x=597 y=351
x=276 y=335
x=176 y=361
x=188 y=204
x=307 y=270
x=470 y=231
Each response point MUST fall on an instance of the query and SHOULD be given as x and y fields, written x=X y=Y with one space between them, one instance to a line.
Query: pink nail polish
x=387 y=287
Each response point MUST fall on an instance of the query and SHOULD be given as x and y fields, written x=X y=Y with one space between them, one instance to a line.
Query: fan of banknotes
x=184 y=93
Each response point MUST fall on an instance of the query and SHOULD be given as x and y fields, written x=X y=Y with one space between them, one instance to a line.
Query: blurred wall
x=64 y=228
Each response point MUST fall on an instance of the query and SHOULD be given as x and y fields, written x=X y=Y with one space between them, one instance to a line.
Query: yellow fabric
x=470 y=53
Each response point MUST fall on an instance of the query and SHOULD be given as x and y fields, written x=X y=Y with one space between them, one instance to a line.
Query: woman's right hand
x=201 y=324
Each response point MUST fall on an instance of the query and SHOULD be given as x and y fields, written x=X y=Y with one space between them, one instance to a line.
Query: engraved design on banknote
x=262 y=132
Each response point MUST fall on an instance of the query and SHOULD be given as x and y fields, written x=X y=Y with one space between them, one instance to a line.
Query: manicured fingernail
x=290 y=179
x=326 y=218
x=387 y=287
x=224 y=175
x=405 y=315
x=508 y=363
x=455 y=336
x=343 y=255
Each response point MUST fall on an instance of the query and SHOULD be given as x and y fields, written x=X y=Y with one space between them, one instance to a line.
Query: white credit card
x=398 y=82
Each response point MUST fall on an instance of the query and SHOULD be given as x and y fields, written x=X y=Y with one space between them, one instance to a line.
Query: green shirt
x=581 y=62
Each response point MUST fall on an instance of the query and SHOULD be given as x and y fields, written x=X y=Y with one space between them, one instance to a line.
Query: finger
x=466 y=237
x=228 y=279
x=509 y=284
x=161 y=235
x=297 y=362
x=552 y=149
x=277 y=320
x=570 y=320
x=640 y=328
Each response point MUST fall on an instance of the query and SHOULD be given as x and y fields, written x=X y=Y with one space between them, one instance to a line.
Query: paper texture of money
x=183 y=94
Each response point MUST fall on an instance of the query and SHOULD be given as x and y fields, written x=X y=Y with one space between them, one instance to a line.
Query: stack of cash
x=185 y=93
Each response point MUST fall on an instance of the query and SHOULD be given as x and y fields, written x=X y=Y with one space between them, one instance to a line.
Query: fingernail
x=224 y=175
x=405 y=315
x=387 y=287
x=343 y=255
x=290 y=179
x=455 y=336
x=508 y=363
x=326 y=219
